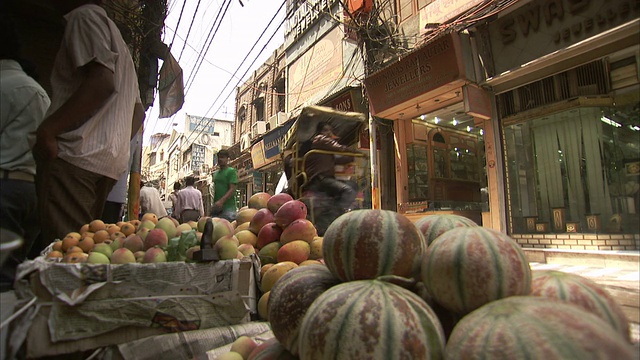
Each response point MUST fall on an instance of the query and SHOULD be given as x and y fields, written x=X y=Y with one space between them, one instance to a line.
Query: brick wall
x=576 y=241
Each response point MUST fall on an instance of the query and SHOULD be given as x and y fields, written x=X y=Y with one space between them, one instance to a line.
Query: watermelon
x=370 y=319
x=290 y=298
x=533 y=327
x=432 y=226
x=365 y=244
x=467 y=267
x=583 y=292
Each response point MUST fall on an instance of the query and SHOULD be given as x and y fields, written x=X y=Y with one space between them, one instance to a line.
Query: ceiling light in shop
x=634 y=127
x=481 y=131
x=469 y=128
x=606 y=120
x=455 y=122
x=422 y=117
x=436 y=120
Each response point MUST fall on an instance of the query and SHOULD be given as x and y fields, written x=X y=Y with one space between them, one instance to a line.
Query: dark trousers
x=112 y=212
x=68 y=197
x=189 y=215
x=343 y=194
x=18 y=214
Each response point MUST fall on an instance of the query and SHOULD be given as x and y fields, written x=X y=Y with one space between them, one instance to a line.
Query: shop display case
x=418 y=171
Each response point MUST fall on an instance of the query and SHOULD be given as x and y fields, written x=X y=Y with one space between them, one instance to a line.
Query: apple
x=290 y=211
x=295 y=251
x=258 y=200
x=156 y=237
x=168 y=226
x=227 y=247
x=262 y=217
x=154 y=255
x=244 y=216
x=246 y=249
x=277 y=200
x=299 y=229
x=103 y=248
x=247 y=237
x=268 y=233
x=244 y=345
x=274 y=273
x=269 y=253
x=134 y=243
x=122 y=256
x=98 y=258
x=316 y=248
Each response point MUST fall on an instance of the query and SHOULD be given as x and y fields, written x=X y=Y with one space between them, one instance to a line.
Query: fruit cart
x=295 y=152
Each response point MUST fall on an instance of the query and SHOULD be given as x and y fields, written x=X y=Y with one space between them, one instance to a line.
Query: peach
x=101 y=235
x=75 y=257
x=57 y=245
x=127 y=228
x=55 y=254
x=150 y=216
x=70 y=240
x=96 y=225
x=86 y=244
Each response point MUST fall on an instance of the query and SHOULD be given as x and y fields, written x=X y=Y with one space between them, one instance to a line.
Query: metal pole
x=133 y=203
x=375 y=195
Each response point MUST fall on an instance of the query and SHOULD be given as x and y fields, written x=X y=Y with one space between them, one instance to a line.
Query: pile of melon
x=440 y=288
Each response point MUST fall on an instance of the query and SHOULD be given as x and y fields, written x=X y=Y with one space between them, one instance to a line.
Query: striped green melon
x=583 y=292
x=290 y=298
x=533 y=327
x=370 y=319
x=432 y=226
x=365 y=244
x=467 y=267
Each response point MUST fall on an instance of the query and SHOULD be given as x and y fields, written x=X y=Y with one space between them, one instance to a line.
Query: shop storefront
x=569 y=114
x=266 y=159
x=441 y=129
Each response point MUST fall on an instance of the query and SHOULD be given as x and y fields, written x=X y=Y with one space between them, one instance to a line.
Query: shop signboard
x=272 y=141
x=257 y=154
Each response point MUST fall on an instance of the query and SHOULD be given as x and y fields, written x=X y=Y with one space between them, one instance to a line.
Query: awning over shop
x=401 y=88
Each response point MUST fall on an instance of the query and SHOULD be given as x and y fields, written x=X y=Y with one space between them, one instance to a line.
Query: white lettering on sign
x=304 y=16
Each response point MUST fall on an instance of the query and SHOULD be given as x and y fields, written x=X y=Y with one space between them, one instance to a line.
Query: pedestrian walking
x=225 y=180
x=189 y=205
x=150 y=201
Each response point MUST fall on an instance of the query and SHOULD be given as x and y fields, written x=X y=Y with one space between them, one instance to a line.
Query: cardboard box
x=81 y=307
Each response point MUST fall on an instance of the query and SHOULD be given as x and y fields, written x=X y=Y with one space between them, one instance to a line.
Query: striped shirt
x=101 y=145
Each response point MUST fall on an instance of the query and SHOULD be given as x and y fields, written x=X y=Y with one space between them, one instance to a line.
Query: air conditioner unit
x=277 y=120
x=245 y=141
x=258 y=128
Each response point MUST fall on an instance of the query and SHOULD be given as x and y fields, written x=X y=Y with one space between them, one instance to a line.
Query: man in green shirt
x=225 y=180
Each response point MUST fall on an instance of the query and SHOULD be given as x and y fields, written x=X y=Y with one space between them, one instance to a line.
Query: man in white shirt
x=23 y=103
x=189 y=206
x=82 y=146
x=151 y=202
